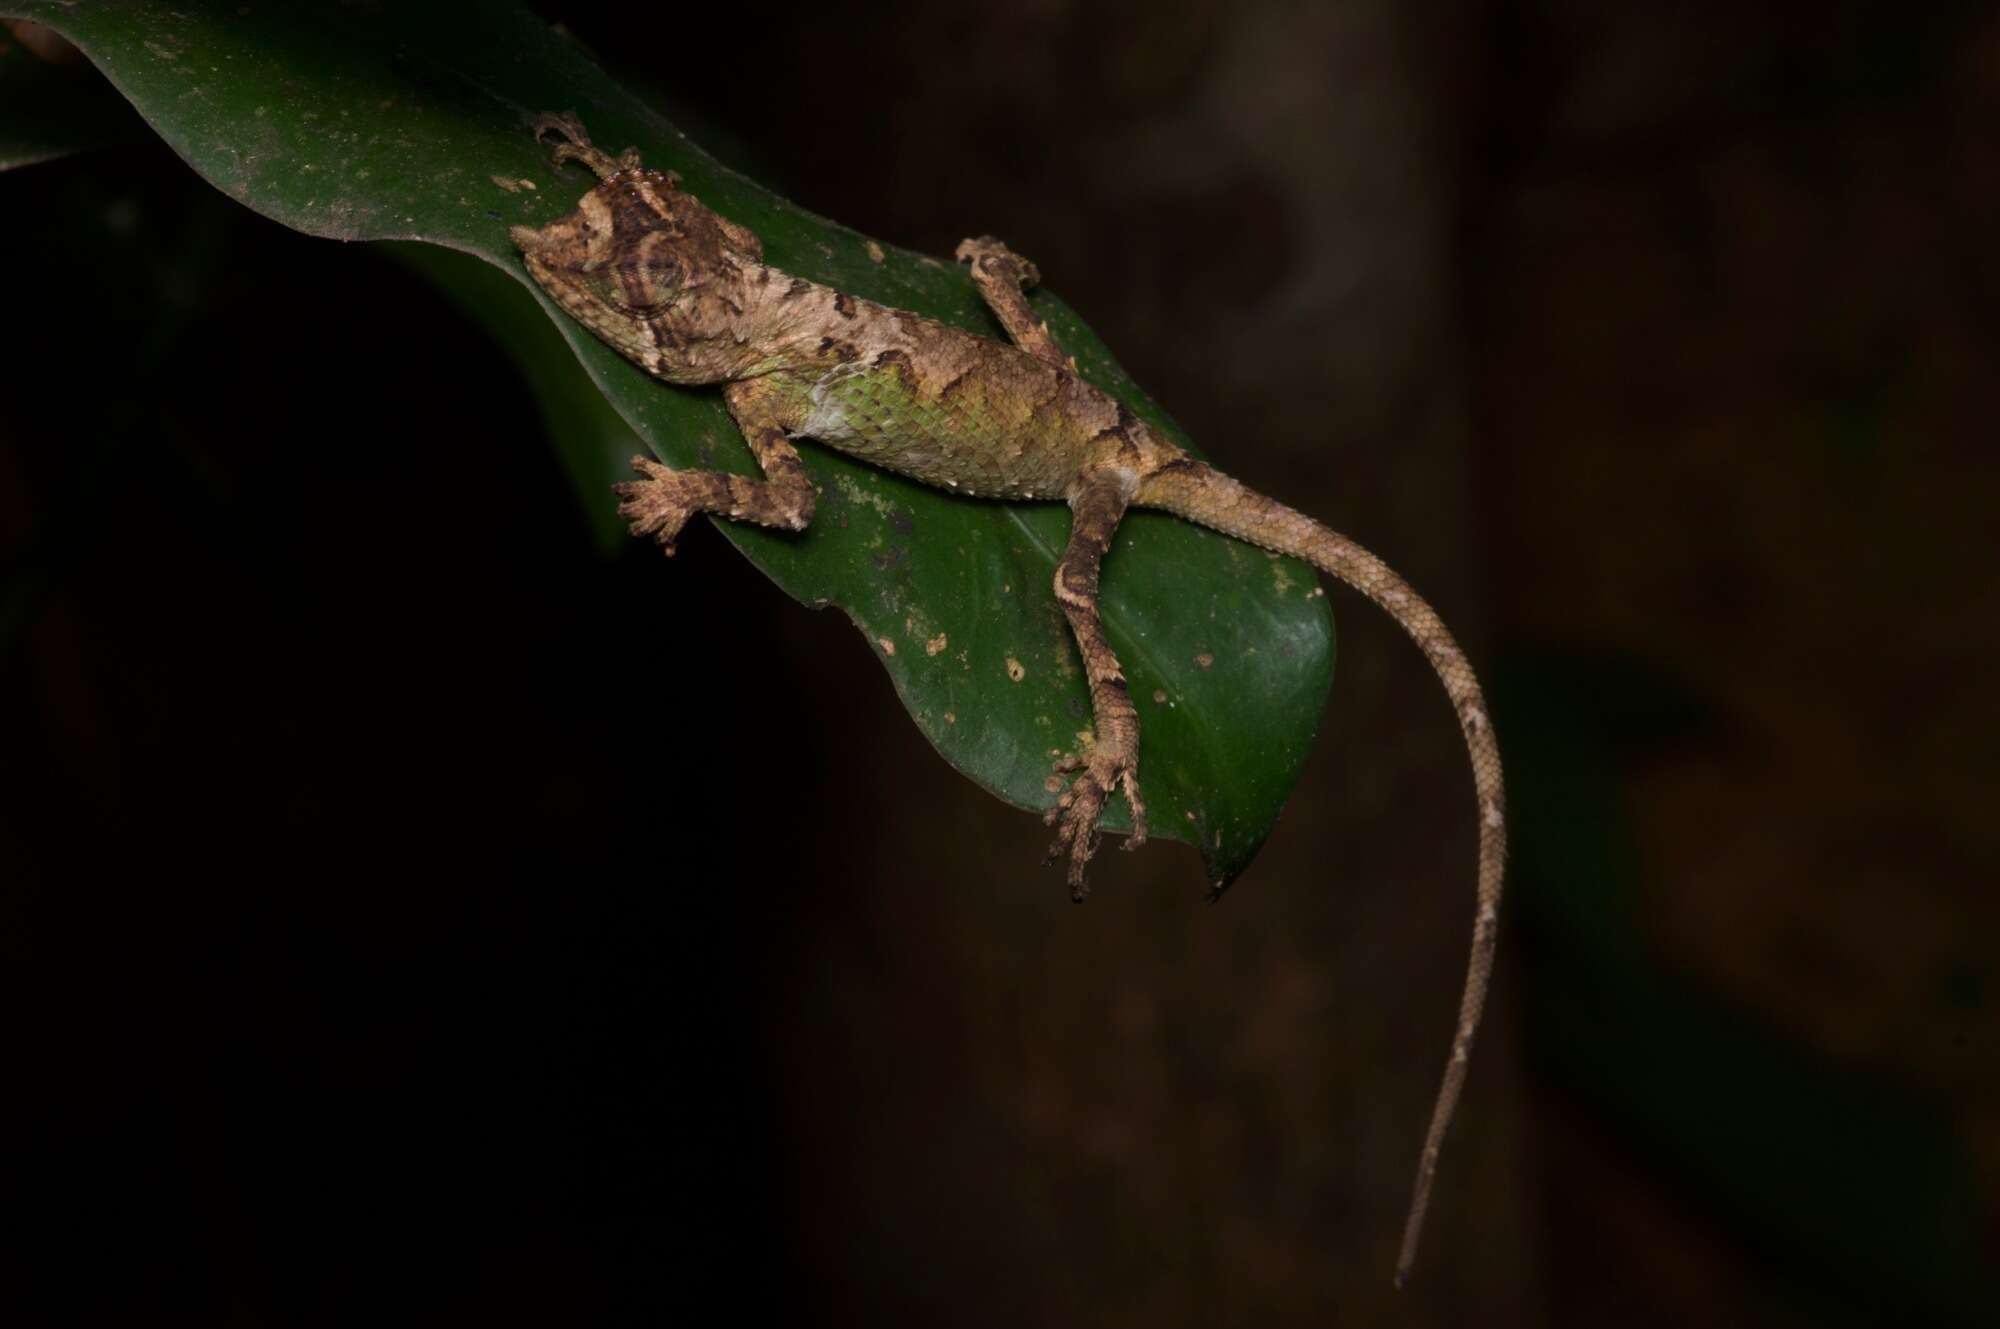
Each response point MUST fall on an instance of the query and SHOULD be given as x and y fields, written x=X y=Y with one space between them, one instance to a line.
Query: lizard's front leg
x=574 y=145
x=1110 y=760
x=661 y=504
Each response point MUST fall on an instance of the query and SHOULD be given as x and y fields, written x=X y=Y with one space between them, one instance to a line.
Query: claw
x=651 y=505
x=1076 y=812
x=577 y=147
x=1137 y=839
x=563 y=123
x=991 y=254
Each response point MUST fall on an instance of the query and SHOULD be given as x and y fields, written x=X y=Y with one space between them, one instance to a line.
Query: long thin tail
x=1204 y=495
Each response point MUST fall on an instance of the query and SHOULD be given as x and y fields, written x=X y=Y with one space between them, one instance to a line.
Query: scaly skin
x=685 y=294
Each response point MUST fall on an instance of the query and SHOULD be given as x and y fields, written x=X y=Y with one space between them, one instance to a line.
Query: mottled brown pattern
x=1002 y=276
x=661 y=504
x=1110 y=762
x=953 y=385
x=686 y=297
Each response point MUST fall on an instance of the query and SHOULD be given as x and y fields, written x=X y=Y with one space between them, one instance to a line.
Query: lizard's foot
x=989 y=255
x=1106 y=767
x=574 y=145
x=660 y=504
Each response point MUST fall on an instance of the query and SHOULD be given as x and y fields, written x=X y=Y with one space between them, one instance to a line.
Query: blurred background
x=408 y=909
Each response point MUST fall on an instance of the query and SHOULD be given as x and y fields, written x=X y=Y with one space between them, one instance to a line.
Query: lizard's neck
x=803 y=326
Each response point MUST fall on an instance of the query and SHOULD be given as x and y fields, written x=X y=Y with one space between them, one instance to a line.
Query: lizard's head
x=650 y=269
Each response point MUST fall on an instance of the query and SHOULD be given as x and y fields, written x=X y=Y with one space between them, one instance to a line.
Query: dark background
x=409 y=913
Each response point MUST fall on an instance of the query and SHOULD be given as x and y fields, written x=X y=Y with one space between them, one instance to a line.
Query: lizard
x=685 y=294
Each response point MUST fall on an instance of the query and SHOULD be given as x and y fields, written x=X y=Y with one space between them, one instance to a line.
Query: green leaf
x=48 y=110
x=410 y=123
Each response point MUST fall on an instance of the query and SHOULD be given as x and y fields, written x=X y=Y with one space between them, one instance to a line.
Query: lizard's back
x=936 y=403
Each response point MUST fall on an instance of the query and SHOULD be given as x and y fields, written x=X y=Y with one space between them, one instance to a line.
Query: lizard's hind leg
x=574 y=145
x=1003 y=277
x=661 y=504
x=1110 y=761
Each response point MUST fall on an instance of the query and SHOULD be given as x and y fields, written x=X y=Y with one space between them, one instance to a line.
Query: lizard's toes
x=990 y=254
x=654 y=506
x=1080 y=807
x=1077 y=834
x=1129 y=780
x=647 y=467
x=563 y=124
